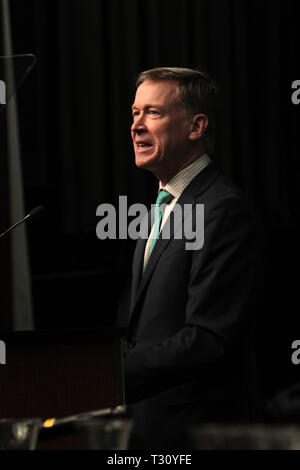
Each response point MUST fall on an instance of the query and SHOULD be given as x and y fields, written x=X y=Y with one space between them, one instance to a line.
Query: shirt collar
x=181 y=180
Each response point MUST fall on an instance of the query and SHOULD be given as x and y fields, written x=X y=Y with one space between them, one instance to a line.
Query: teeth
x=143 y=145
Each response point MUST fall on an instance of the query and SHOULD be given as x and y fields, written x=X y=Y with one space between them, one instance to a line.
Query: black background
x=74 y=117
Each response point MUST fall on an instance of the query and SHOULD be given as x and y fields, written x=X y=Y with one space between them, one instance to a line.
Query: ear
x=199 y=125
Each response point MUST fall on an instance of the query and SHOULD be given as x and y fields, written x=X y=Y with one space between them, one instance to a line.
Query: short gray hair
x=196 y=90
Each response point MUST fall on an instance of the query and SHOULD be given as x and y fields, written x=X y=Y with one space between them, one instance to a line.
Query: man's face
x=160 y=128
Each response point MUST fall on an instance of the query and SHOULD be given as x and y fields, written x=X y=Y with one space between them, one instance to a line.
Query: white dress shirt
x=176 y=186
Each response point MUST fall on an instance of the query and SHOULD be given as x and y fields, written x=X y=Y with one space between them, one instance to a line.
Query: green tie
x=163 y=198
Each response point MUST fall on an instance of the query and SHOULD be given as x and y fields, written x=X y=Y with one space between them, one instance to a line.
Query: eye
x=153 y=112
x=135 y=113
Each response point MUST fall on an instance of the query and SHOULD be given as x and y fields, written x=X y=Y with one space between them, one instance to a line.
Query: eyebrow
x=147 y=106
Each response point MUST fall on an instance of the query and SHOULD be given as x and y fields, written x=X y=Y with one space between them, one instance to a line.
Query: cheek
x=163 y=135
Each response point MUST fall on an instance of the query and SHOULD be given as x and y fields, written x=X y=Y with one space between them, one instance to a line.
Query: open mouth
x=143 y=146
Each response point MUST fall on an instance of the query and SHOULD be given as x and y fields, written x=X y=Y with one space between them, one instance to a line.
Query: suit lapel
x=137 y=273
x=140 y=280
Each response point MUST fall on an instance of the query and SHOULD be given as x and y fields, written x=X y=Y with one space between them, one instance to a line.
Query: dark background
x=74 y=116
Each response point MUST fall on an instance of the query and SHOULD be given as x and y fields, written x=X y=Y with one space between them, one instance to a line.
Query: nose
x=138 y=124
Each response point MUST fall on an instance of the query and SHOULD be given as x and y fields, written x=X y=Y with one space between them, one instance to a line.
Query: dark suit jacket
x=190 y=353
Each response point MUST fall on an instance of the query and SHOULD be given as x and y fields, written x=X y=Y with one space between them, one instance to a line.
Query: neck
x=165 y=177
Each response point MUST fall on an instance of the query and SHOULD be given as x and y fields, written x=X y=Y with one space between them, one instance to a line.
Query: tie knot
x=163 y=197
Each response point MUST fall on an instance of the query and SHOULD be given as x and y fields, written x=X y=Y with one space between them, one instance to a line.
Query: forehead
x=161 y=93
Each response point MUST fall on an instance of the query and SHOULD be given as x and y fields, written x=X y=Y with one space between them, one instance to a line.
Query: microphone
x=37 y=210
x=53 y=428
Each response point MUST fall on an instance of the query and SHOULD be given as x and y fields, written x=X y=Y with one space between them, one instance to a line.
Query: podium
x=53 y=374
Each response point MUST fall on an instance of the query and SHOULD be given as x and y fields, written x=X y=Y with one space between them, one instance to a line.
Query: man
x=190 y=355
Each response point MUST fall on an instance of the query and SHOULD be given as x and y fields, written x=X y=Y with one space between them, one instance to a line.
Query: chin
x=144 y=163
